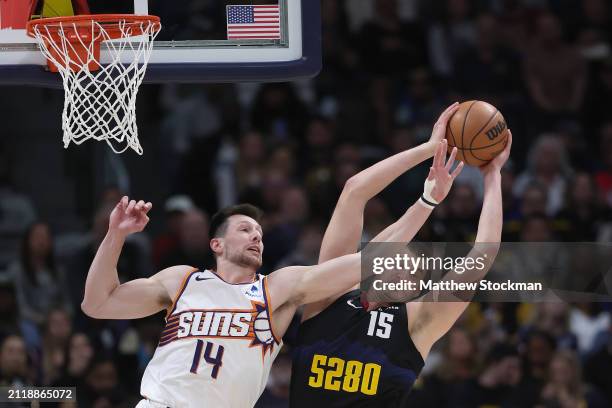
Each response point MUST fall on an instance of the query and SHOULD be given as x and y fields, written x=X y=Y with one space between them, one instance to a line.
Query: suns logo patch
x=239 y=324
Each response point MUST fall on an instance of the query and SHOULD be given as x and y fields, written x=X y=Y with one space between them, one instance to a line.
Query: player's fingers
x=140 y=205
x=130 y=207
x=509 y=142
x=438 y=157
x=457 y=170
x=122 y=203
x=449 y=112
x=449 y=108
x=430 y=176
x=443 y=151
x=451 y=159
x=147 y=207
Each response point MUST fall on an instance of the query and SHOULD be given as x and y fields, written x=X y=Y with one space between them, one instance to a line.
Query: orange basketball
x=479 y=131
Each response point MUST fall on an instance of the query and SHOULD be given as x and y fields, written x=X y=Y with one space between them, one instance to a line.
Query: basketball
x=479 y=132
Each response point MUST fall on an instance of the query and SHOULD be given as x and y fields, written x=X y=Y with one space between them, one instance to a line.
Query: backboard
x=200 y=41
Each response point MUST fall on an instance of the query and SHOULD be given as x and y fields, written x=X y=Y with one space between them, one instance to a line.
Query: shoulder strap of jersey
x=264 y=284
x=180 y=291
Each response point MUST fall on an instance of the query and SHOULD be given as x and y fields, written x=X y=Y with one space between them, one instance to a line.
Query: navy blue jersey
x=349 y=357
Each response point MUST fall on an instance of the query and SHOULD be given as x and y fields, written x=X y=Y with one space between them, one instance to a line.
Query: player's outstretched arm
x=344 y=230
x=105 y=297
x=437 y=186
x=431 y=320
x=302 y=285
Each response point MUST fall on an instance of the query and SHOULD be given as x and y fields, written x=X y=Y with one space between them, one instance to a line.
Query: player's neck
x=232 y=273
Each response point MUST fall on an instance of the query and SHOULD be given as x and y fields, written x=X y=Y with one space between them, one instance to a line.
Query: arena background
x=389 y=68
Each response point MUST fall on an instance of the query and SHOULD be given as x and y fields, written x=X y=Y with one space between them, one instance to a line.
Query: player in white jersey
x=230 y=328
x=223 y=327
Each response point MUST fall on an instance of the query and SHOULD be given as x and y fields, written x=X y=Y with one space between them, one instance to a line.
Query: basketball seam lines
x=484 y=147
x=452 y=134
x=479 y=148
x=483 y=126
x=465 y=120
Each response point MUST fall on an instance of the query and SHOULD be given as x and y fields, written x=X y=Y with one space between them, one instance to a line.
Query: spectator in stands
x=536 y=228
x=501 y=382
x=307 y=250
x=463 y=214
x=54 y=345
x=316 y=150
x=14 y=368
x=285 y=223
x=515 y=18
x=193 y=241
x=102 y=388
x=78 y=357
x=454 y=366
x=486 y=70
x=587 y=320
x=556 y=74
x=40 y=283
x=453 y=35
x=553 y=318
x=278 y=112
x=376 y=216
x=538 y=351
x=547 y=164
x=582 y=215
x=533 y=200
x=249 y=164
x=459 y=357
x=420 y=104
x=383 y=46
x=341 y=59
x=565 y=388
x=166 y=242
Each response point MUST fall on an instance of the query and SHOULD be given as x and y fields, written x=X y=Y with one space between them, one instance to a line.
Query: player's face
x=243 y=241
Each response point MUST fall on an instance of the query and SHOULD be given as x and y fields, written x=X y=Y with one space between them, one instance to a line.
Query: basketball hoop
x=100 y=98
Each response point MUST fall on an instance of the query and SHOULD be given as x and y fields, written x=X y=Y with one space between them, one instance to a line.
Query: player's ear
x=216 y=245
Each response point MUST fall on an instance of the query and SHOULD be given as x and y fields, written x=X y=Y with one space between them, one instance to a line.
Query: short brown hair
x=218 y=223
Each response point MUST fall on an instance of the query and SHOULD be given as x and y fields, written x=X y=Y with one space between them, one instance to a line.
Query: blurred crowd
x=390 y=67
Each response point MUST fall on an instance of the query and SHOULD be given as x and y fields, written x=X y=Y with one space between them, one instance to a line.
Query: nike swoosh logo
x=202 y=279
x=350 y=303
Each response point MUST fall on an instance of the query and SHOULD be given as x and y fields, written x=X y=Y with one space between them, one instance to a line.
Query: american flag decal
x=253 y=22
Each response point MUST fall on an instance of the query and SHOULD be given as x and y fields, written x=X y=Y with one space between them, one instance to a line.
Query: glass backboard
x=200 y=40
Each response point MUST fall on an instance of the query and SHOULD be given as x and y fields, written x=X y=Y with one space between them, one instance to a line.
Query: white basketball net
x=100 y=104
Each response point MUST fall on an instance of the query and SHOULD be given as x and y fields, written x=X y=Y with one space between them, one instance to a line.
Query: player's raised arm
x=303 y=285
x=435 y=318
x=344 y=230
x=105 y=297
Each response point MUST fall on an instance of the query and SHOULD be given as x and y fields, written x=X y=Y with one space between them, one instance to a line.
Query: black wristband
x=426 y=201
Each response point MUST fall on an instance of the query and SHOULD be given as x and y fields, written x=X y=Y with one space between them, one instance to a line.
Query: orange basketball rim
x=71 y=40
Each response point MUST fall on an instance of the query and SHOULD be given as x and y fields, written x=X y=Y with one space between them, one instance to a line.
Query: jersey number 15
x=380 y=324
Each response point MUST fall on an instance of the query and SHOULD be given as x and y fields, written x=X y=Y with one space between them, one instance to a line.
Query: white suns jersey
x=217 y=347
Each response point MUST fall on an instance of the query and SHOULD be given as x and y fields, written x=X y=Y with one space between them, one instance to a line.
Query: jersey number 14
x=210 y=359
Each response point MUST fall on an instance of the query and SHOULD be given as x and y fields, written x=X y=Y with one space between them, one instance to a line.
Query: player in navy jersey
x=351 y=353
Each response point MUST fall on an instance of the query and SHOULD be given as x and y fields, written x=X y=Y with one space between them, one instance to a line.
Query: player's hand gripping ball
x=479 y=131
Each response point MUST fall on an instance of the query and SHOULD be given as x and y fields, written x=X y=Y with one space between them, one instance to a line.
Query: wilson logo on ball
x=496 y=130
